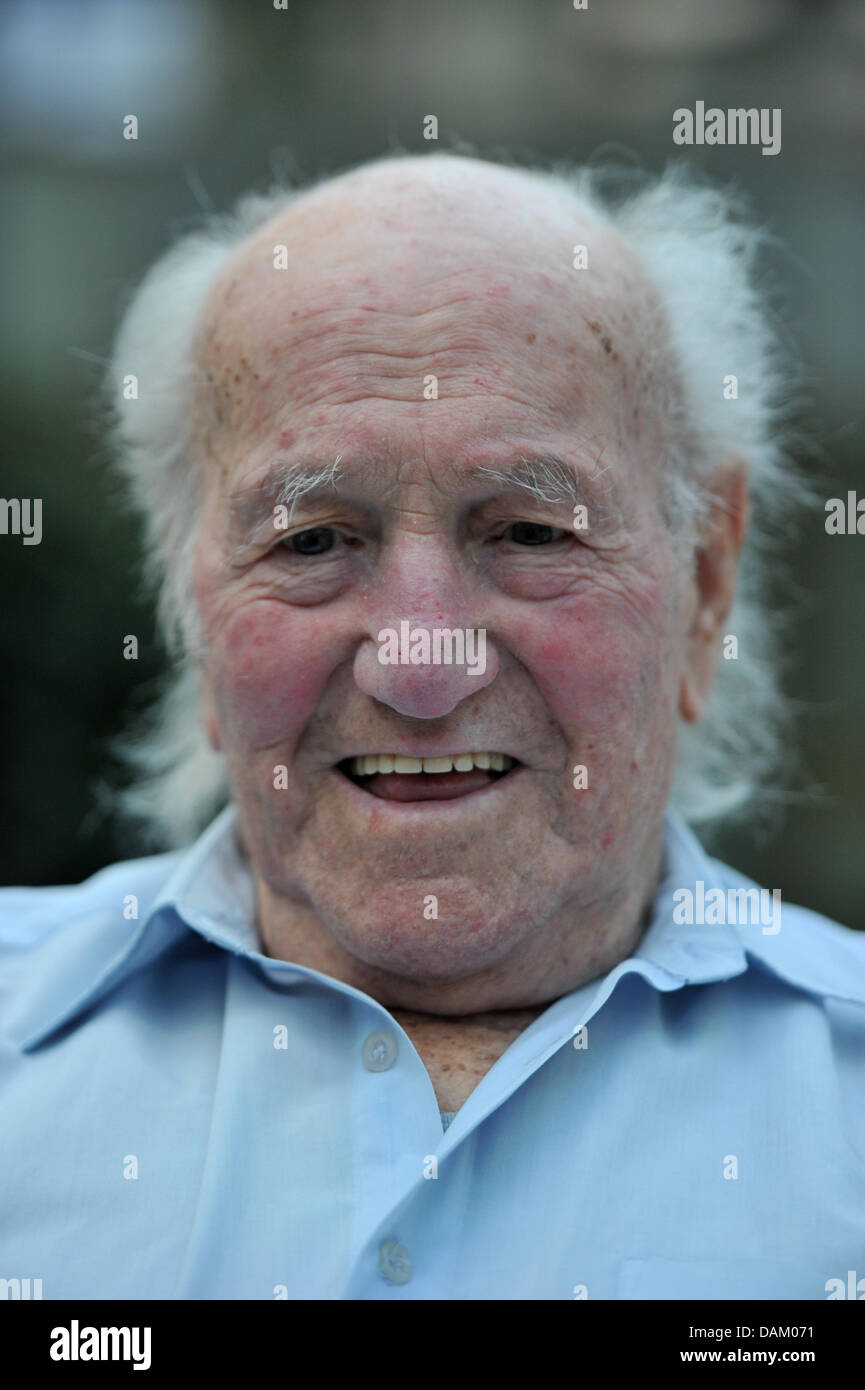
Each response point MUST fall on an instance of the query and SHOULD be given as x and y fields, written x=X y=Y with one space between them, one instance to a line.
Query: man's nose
x=425 y=669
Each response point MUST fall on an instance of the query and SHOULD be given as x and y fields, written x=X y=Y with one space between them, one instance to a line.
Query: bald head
x=412 y=268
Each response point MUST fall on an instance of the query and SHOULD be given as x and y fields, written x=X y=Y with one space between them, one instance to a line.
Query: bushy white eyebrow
x=282 y=487
x=547 y=479
x=298 y=480
x=553 y=480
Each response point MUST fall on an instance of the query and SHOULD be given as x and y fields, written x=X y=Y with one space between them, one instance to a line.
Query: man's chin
x=430 y=932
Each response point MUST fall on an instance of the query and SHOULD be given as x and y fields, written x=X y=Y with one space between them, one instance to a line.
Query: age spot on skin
x=606 y=342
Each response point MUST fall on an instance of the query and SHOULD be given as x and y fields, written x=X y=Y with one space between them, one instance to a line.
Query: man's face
x=585 y=628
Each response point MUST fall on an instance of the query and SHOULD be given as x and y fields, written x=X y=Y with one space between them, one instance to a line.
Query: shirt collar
x=807 y=951
x=692 y=953
x=210 y=891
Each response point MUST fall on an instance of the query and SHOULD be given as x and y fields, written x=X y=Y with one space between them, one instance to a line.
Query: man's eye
x=532 y=533
x=316 y=541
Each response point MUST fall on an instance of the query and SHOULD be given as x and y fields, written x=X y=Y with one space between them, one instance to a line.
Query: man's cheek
x=592 y=671
x=266 y=675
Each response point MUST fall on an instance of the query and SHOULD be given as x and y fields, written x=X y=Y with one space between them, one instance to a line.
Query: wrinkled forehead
x=393 y=238
x=405 y=266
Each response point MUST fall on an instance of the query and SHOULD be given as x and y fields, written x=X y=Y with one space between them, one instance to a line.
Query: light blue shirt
x=183 y=1117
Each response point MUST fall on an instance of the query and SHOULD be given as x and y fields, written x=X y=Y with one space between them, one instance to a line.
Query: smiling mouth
x=393 y=777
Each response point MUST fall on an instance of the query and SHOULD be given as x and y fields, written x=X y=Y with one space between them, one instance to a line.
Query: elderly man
x=448 y=482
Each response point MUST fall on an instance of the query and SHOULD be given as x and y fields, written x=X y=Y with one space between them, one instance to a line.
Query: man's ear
x=208 y=715
x=713 y=583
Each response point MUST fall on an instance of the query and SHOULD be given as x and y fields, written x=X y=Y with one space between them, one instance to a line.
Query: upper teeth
x=458 y=762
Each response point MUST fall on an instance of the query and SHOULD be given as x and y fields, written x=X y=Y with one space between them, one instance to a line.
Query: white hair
x=703 y=255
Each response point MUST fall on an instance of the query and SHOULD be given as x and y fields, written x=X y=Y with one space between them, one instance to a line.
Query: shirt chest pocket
x=746 y=1278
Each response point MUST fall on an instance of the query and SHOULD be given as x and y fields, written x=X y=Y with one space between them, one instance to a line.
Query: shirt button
x=379 y=1051
x=394 y=1262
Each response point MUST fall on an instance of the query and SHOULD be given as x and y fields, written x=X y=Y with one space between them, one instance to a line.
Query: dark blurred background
x=232 y=95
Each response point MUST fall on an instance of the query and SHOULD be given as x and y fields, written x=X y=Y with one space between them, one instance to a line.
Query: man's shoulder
x=128 y=888
x=59 y=945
